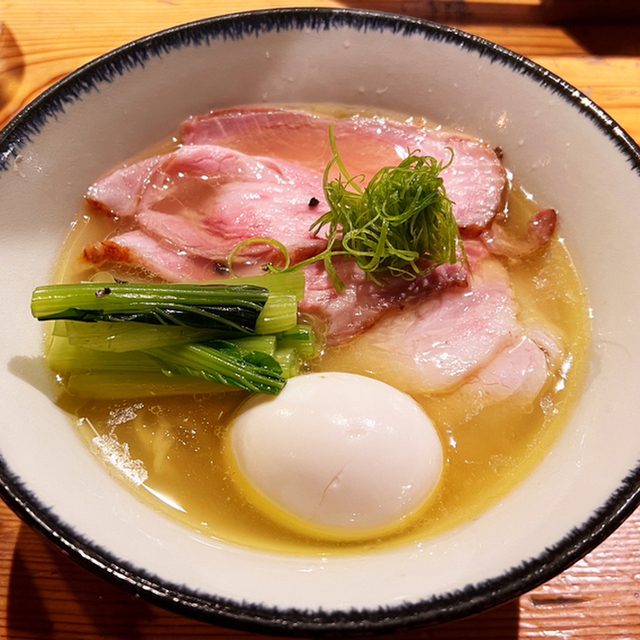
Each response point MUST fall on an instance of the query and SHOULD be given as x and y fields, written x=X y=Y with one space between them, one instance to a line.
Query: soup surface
x=174 y=453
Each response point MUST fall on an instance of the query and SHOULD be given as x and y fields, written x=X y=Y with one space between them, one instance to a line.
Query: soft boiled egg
x=336 y=455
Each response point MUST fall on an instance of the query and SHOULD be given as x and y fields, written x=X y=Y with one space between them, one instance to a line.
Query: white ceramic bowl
x=562 y=147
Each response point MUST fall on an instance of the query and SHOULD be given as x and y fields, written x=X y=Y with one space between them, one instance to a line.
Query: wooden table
x=43 y=594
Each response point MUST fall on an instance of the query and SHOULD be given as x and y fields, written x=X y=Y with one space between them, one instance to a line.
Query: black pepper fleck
x=220 y=268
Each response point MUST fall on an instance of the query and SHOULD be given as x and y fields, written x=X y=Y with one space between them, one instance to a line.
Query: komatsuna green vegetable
x=223 y=363
x=226 y=334
x=227 y=308
x=95 y=362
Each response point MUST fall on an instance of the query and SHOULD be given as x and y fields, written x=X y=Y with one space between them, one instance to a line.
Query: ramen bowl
x=563 y=148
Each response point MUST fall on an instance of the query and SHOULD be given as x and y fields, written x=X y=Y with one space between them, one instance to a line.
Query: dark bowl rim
x=253 y=617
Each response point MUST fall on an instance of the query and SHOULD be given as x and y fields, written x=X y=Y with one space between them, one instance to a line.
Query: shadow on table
x=599 y=35
x=607 y=40
x=51 y=597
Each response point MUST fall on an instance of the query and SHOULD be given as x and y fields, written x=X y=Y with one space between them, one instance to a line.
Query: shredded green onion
x=401 y=224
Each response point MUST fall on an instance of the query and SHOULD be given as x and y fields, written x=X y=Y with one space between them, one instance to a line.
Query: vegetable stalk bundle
x=126 y=340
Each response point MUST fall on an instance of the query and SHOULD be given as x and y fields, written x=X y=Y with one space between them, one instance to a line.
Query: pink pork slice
x=119 y=193
x=518 y=371
x=437 y=344
x=136 y=249
x=205 y=200
x=344 y=315
x=475 y=181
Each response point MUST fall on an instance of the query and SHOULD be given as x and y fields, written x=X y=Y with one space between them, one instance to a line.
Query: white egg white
x=337 y=454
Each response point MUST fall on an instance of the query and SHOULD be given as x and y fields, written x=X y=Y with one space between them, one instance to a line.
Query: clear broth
x=181 y=441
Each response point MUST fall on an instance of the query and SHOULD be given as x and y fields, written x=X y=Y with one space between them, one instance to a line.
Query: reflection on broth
x=175 y=449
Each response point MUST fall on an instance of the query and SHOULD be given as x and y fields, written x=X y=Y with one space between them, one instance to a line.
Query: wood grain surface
x=43 y=594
